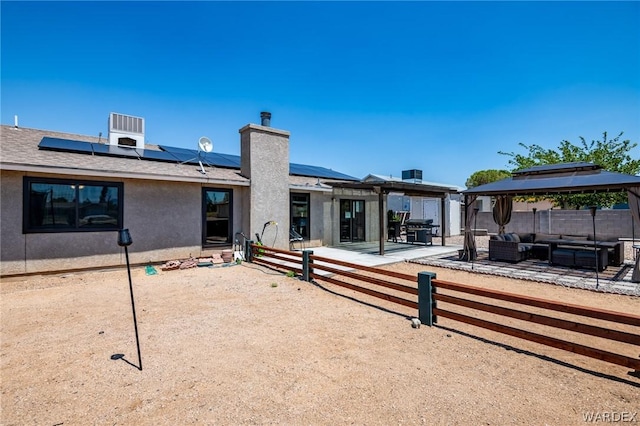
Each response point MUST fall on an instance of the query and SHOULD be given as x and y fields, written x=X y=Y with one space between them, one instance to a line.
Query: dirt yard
x=245 y=345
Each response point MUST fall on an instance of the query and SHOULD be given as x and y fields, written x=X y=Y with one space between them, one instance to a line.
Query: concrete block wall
x=570 y=222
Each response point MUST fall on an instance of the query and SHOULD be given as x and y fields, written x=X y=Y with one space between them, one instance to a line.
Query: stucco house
x=63 y=197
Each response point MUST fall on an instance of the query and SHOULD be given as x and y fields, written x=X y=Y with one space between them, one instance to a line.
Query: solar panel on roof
x=218 y=160
x=175 y=149
x=150 y=154
x=173 y=154
x=213 y=158
x=100 y=148
x=117 y=151
x=57 y=144
x=316 y=171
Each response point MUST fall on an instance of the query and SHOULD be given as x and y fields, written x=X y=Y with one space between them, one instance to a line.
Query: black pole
x=124 y=240
x=475 y=226
x=381 y=222
x=633 y=233
x=534 y=220
x=595 y=242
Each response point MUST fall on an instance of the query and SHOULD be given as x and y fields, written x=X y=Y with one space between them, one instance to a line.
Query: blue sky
x=363 y=87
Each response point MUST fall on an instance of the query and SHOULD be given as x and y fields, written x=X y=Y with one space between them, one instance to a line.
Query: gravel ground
x=245 y=345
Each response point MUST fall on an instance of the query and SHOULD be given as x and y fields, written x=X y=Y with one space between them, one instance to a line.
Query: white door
x=431 y=210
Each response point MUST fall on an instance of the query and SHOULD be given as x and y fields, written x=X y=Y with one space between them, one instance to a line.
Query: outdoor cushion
x=546 y=237
x=526 y=238
x=512 y=237
x=497 y=237
x=612 y=238
x=575 y=237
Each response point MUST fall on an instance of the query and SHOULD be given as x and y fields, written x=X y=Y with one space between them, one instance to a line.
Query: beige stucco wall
x=164 y=219
x=265 y=160
x=12 y=241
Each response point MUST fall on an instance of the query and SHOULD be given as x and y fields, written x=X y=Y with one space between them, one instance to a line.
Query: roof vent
x=265 y=118
x=126 y=130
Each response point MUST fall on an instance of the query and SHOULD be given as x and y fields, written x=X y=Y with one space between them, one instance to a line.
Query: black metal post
x=426 y=302
x=595 y=241
x=124 y=240
x=474 y=254
x=307 y=265
x=534 y=219
x=633 y=234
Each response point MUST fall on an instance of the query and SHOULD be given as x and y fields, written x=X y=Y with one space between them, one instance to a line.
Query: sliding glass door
x=352 y=220
x=300 y=214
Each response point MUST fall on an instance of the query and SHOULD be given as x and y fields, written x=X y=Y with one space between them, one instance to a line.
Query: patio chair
x=295 y=237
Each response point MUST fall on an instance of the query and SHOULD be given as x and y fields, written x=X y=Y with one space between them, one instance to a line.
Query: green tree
x=611 y=154
x=482 y=177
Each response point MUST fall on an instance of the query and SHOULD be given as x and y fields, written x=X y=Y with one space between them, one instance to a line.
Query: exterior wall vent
x=126 y=130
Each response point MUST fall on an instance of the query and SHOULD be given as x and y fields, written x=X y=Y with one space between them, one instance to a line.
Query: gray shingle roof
x=19 y=151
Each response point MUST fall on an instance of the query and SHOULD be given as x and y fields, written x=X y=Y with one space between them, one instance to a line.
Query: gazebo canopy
x=558 y=178
x=564 y=178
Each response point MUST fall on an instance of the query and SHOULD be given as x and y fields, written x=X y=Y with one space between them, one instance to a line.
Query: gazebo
x=564 y=178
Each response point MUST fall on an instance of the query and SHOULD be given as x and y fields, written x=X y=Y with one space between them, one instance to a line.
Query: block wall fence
x=570 y=222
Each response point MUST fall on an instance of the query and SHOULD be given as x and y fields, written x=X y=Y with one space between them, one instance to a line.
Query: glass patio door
x=352 y=220
x=300 y=214
x=217 y=213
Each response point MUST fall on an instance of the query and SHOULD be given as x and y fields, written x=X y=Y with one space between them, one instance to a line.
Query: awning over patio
x=383 y=188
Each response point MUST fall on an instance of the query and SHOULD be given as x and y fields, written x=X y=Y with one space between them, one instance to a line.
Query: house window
x=65 y=205
x=217 y=216
x=300 y=214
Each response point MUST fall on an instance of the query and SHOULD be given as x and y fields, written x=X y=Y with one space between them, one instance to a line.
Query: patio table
x=553 y=245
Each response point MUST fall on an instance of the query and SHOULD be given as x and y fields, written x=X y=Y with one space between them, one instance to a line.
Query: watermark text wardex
x=610 y=416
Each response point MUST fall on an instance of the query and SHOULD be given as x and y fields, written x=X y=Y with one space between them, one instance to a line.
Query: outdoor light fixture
x=124 y=240
x=595 y=241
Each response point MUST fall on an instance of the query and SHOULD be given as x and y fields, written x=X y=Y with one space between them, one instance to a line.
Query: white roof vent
x=126 y=130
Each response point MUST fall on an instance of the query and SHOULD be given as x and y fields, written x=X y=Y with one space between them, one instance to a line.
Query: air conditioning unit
x=126 y=131
x=413 y=175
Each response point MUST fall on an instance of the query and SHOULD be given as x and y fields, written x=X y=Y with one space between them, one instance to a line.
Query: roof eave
x=119 y=174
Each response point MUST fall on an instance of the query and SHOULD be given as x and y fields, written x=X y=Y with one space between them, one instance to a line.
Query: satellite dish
x=205 y=144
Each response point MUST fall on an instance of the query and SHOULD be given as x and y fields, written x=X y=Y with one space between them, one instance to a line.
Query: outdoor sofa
x=515 y=247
